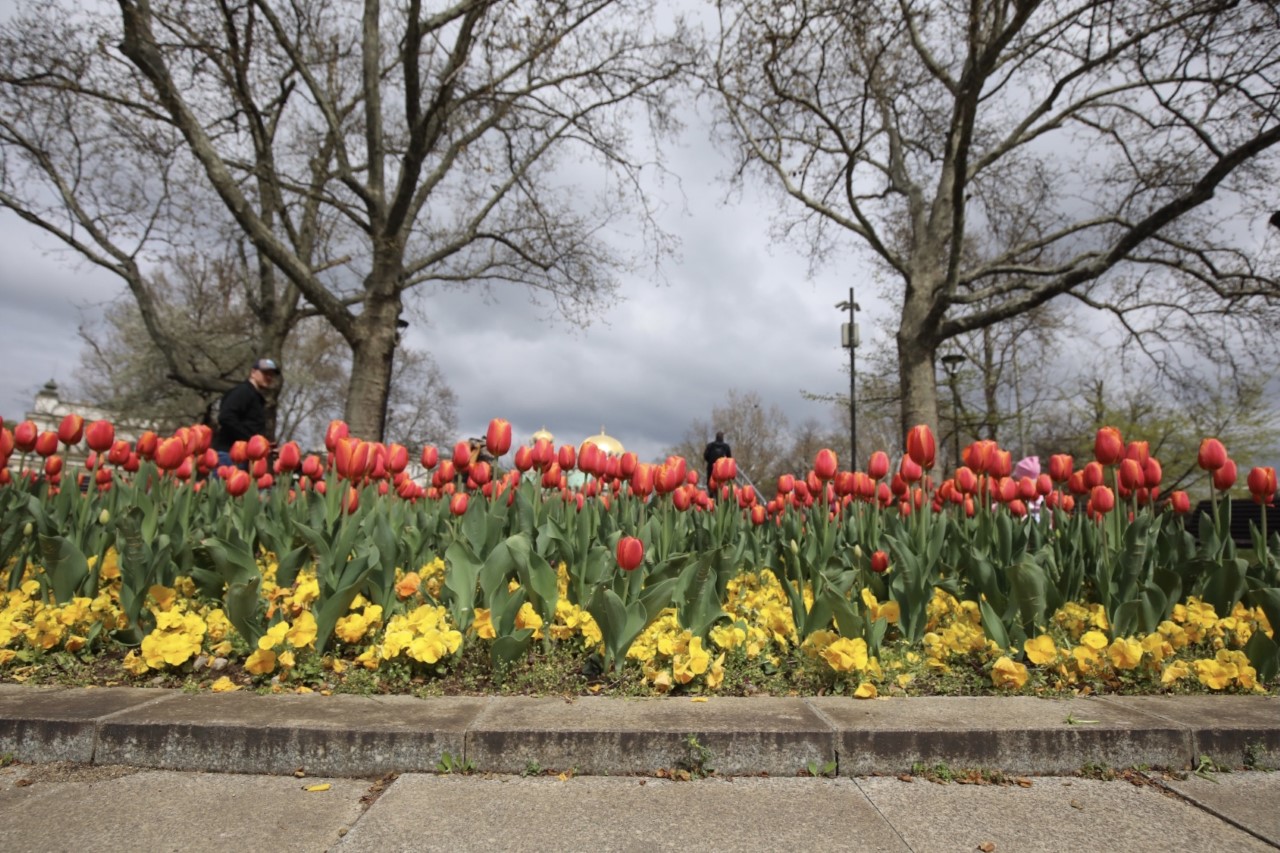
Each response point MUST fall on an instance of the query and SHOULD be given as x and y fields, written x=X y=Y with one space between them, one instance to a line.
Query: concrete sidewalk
x=356 y=736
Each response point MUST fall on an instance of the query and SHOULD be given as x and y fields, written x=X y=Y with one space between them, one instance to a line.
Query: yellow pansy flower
x=1041 y=650
x=1008 y=674
x=1125 y=653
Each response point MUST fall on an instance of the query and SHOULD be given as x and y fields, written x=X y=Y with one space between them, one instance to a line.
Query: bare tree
x=759 y=435
x=364 y=150
x=997 y=154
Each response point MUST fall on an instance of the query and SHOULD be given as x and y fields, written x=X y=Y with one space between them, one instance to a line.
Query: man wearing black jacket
x=242 y=413
x=717 y=449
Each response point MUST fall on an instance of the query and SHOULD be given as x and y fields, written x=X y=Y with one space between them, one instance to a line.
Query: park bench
x=1244 y=513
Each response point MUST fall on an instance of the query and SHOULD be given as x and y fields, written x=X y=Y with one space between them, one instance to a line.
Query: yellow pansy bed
x=756 y=649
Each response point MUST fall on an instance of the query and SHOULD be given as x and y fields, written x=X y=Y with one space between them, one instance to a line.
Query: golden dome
x=542 y=435
x=607 y=443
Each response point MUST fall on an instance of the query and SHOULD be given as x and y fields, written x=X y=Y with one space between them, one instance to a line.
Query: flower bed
x=343 y=573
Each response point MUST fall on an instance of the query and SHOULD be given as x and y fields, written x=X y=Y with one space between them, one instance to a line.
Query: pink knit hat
x=1027 y=467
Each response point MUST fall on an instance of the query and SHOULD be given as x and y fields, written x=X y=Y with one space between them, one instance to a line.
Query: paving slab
x=73 y=809
x=60 y=724
x=1052 y=814
x=1249 y=800
x=1236 y=731
x=249 y=733
x=505 y=813
x=1016 y=734
x=605 y=736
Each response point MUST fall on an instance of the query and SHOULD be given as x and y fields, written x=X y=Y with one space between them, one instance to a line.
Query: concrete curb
x=371 y=736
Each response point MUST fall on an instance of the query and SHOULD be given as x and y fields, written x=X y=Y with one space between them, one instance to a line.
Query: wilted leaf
x=987 y=847
x=1023 y=782
x=323 y=786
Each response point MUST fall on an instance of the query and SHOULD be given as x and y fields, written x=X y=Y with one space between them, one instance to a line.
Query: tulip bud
x=71 y=430
x=100 y=435
x=879 y=562
x=1108 y=446
x=498 y=438
x=921 y=446
x=1212 y=455
x=825 y=464
x=878 y=465
x=630 y=553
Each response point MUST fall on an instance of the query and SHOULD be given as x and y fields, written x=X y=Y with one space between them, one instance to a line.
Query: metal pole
x=955 y=416
x=853 y=386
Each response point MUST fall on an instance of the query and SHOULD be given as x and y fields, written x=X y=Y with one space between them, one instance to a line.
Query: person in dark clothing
x=242 y=413
x=717 y=449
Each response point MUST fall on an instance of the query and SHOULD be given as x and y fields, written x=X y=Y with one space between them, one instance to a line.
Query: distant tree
x=995 y=155
x=125 y=372
x=759 y=435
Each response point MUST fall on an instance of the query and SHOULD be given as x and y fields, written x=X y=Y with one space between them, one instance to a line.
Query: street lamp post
x=849 y=340
x=951 y=363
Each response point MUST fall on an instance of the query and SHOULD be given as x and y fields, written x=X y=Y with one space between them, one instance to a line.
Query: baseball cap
x=266 y=365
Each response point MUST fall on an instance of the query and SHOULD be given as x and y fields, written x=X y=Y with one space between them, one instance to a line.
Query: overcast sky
x=735 y=311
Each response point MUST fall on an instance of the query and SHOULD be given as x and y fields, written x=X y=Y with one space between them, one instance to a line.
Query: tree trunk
x=917 y=342
x=373 y=349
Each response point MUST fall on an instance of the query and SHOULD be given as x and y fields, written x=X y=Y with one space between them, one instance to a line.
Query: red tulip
x=757 y=515
x=725 y=469
x=1102 y=500
x=430 y=456
x=237 y=482
x=208 y=460
x=567 y=457
x=551 y=476
x=146 y=444
x=257 y=468
x=591 y=460
x=266 y=481
x=53 y=466
x=25 y=435
x=1212 y=454
x=170 y=453
x=1262 y=484
x=630 y=553
x=1140 y=451
x=825 y=464
x=352 y=501
x=458 y=503
x=1093 y=474
x=312 y=467
x=879 y=562
x=966 y=480
x=289 y=458
x=682 y=497
x=1131 y=476
x=119 y=453
x=103 y=477
x=498 y=438
x=335 y=431
x=480 y=473
x=786 y=484
x=462 y=455
x=878 y=465
x=47 y=443
x=1108 y=446
x=1152 y=473
x=71 y=430
x=543 y=453
x=977 y=456
x=6 y=446
x=1181 y=502
x=257 y=447
x=910 y=470
x=921 y=446
x=524 y=457
x=1001 y=463
x=397 y=458
x=202 y=436
x=627 y=465
x=1225 y=476
x=1060 y=465
x=642 y=480
x=1027 y=488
